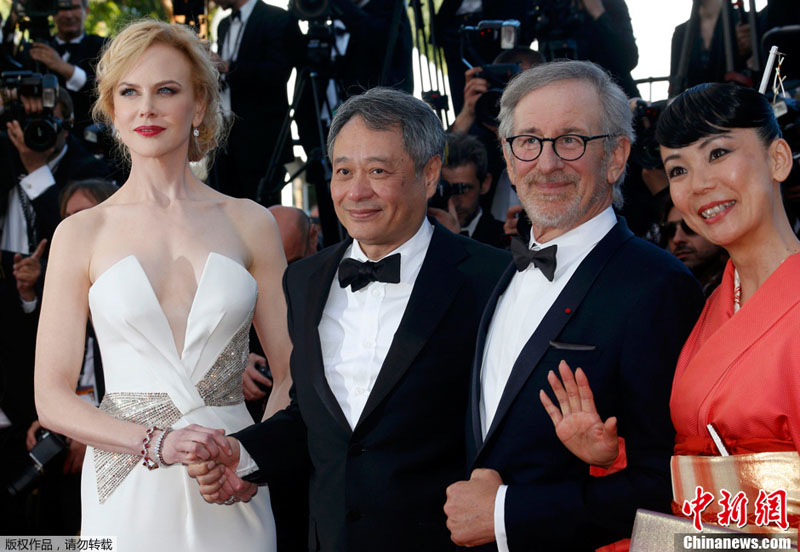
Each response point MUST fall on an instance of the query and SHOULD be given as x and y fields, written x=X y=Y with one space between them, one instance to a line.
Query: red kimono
x=741 y=372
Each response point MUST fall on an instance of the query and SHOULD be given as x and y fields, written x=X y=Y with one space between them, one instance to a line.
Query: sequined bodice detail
x=147 y=381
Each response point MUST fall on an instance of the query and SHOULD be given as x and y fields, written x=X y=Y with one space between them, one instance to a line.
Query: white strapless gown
x=149 y=383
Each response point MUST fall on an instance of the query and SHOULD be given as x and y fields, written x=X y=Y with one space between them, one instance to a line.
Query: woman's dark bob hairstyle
x=712 y=108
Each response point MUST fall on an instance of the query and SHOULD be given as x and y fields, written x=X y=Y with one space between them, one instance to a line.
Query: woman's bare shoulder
x=250 y=217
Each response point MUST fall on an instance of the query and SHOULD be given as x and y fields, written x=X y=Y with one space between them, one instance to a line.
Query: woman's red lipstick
x=149 y=130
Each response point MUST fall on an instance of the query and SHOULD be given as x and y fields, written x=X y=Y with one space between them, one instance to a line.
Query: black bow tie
x=236 y=14
x=543 y=259
x=66 y=47
x=356 y=274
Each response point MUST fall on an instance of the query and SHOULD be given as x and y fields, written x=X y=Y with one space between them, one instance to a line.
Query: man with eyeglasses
x=584 y=290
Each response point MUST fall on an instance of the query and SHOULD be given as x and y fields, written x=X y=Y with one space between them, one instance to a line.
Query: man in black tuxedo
x=383 y=328
x=582 y=289
x=72 y=55
x=467 y=166
x=258 y=46
x=379 y=46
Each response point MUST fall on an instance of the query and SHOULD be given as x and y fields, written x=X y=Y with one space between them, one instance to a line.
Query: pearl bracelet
x=159 y=450
x=147 y=462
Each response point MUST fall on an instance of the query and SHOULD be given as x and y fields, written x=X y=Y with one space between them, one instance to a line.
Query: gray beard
x=571 y=211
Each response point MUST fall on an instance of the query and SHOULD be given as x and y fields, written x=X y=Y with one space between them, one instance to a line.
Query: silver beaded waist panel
x=221 y=386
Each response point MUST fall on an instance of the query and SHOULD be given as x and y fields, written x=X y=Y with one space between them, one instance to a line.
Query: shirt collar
x=575 y=243
x=246 y=10
x=412 y=252
x=73 y=41
x=53 y=163
x=470 y=228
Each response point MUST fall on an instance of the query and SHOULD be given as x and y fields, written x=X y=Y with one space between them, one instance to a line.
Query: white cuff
x=246 y=463
x=500 y=519
x=37 y=182
x=77 y=80
x=29 y=306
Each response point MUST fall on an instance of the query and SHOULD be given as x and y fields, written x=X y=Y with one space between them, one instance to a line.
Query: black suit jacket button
x=356 y=449
x=353 y=515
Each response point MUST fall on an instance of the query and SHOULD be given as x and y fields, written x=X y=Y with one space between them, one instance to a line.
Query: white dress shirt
x=78 y=78
x=519 y=311
x=469 y=6
x=473 y=224
x=230 y=48
x=15 y=227
x=357 y=329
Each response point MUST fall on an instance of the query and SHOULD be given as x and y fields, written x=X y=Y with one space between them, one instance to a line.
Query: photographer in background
x=478 y=118
x=71 y=55
x=466 y=166
x=30 y=181
x=257 y=47
x=378 y=49
x=447 y=24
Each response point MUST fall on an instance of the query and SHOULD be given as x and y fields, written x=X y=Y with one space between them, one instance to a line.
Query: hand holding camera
x=256 y=379
x=45 y=54
x=474 y=89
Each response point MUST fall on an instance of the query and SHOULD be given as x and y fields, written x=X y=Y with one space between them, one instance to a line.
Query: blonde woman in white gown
x=171 y=272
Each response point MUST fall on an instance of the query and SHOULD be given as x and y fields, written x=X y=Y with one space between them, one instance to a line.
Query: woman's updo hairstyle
x=712 y=108
x=121 y=54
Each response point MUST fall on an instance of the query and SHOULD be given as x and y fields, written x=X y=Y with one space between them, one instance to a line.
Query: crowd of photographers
x=54 y=160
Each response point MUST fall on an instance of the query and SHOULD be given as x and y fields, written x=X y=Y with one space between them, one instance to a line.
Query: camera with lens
x=32 y=16
x=554 y=23
x=444 y=191
x=475 y=39
x=310 y=10
x=48 y=446
x=40 y=130
x=497 y=75
x=645 y=151
x=264 y=370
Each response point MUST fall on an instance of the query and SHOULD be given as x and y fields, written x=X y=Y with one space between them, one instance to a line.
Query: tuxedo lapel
x=564 y=308
x=483 y=329
x=224 y=26
x=318 y=289
x=250 y=31
x=435 y=288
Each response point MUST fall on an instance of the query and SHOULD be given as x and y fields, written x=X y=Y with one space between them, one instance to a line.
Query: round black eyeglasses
x=569 y=147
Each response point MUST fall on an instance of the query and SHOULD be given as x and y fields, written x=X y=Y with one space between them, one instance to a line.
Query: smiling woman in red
x=739 y=371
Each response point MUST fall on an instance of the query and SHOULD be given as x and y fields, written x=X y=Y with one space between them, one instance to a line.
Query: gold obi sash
x=750 y=473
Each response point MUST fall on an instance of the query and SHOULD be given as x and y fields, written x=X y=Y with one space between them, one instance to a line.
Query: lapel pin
x=567 y=310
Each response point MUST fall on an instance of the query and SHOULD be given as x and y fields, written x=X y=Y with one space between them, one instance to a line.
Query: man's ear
x=430 y=175
x=618 y=159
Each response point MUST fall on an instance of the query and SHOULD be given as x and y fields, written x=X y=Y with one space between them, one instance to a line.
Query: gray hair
x=385 y=109
x=616 y=116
